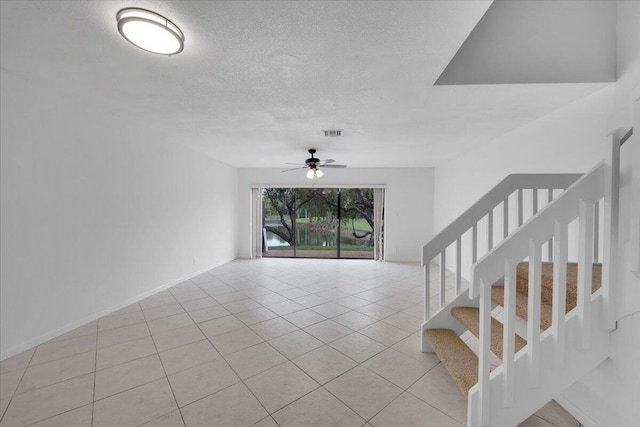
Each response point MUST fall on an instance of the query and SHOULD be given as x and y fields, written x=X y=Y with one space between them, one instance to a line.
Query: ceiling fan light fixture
x=150 y=31
x=314 y=164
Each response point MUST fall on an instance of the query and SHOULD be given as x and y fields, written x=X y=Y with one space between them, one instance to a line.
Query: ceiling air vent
x=333 y=132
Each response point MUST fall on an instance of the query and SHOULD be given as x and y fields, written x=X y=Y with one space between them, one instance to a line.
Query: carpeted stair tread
x=522 y=307
x=456 y=356
x=470 y=318
x=547 y=281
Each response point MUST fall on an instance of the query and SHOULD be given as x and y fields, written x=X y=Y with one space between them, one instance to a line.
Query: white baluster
x=427 y=291
x=490 y=230
x=508 y=339
x=474 y=242
x=443 y=277
x=550 y=243
x=484 y=353
x=520 y=209
x=505 y=218
x=458 y=266
x=596 y=231
x=585 y=271
x=559 y=303
x=533 y=318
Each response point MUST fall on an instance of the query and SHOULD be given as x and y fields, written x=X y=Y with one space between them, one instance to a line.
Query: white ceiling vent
x=333 y=132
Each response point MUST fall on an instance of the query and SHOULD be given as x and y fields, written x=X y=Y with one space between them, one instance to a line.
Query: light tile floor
x=251 y=343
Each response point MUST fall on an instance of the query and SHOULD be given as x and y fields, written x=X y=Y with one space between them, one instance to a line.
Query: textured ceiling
x=258 y=81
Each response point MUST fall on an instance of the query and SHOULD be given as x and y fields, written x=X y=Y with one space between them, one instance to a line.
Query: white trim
x=568 y=406
x=378 y=221
x=318 y=186
x=634 y=226
x=258 y=233
x=17 y=349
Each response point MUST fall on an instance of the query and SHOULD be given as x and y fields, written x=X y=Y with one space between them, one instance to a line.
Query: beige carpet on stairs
x=470 y=318
x=522 y=282
x=456 y=356
x=461 y=361
x=522 y=306
x=522 y=286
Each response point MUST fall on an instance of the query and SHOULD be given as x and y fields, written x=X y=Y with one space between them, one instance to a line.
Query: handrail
x=563 y=209
x=489 y=201
x=469 y=221
x=626 y=136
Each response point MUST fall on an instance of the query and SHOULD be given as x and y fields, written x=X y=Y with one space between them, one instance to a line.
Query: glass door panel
x=278 y=222
x=356 y=223
x=316 y=223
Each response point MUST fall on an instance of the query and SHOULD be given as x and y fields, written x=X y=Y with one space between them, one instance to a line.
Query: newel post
x=611 y=206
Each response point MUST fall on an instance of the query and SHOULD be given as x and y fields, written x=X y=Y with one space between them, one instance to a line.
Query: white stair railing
x=577 y=202
x=513 y=186
x=576 y=342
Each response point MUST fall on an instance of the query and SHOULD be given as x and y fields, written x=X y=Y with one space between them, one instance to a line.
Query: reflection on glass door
x=356 y=223
x=278 y=222
x=318 y=223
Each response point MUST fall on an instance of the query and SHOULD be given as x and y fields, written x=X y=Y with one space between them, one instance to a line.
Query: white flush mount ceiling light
x=150 y=31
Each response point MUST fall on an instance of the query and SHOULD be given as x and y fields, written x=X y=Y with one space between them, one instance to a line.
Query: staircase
x=557 y=314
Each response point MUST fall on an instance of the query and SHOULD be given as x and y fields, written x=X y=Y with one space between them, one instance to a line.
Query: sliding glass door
x=318 y=222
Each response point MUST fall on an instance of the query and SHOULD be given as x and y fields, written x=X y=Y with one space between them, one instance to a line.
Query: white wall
x=93 y=216
x=573 y=139
x=609 y=395
x=569 y=140
x=408 y=203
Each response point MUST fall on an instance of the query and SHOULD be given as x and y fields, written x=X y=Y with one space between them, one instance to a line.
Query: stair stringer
x=444 y=320
x=528 y=397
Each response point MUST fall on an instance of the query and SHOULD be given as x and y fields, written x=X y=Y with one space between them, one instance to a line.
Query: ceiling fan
x=313 y=164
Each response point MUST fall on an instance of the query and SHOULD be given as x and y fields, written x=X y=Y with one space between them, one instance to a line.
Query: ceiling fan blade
x=293 y=169
x=333 y=166
x=324 y=162
x=296 y=164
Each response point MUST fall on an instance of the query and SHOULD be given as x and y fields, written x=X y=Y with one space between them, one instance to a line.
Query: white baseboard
x=578 y=414
x=73 y=325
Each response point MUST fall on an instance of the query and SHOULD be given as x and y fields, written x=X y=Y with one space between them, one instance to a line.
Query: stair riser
x=469 y=318
x=497 y=296
x=522 y=283
x=444 y=320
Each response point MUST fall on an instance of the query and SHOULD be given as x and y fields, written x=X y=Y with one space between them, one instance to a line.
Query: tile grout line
x=406 y=390
x=165 y=376
x=18 y=386
x=234 y=371
x=57 y=382
x=56 y=415
x=286 y=360
x=352 y=368
x=95 y=373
